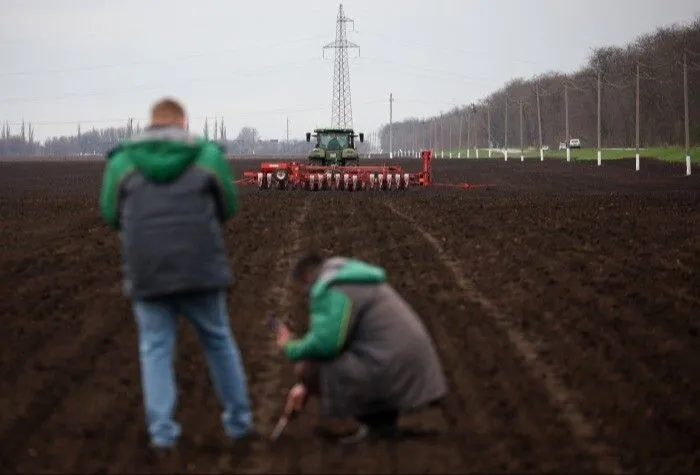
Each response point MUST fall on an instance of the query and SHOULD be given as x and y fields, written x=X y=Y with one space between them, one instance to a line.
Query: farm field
x=564 y=302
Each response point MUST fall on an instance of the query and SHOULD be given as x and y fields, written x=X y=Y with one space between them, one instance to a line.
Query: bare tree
x=660 y=96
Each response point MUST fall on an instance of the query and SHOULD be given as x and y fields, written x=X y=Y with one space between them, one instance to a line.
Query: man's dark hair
x=305 y=263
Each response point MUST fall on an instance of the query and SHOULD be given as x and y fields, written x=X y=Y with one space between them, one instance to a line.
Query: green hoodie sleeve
x=118 y=167
x=213 y=160
x=330 y=316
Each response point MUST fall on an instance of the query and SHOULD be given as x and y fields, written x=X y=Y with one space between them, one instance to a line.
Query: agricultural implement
x=293 y=175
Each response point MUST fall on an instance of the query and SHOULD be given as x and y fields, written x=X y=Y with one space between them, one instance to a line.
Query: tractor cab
x=334 y=147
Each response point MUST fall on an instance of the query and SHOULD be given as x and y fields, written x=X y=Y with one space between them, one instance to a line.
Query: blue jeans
x=157 y=327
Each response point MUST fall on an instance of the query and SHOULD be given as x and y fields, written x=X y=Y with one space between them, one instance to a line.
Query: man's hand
x=283 y=335
x=296 y=399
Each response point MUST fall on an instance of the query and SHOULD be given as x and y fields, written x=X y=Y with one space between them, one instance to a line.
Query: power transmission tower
x=391 y=125
x=342 y=102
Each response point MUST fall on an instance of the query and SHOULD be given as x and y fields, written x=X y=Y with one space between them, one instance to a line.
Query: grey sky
x=98 y=62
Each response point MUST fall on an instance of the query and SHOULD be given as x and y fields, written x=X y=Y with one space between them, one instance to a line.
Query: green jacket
x=162 y=155
x=168 y=192
x=330 y=310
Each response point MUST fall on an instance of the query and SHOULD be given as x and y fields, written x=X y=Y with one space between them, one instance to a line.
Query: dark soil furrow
x=593 y=269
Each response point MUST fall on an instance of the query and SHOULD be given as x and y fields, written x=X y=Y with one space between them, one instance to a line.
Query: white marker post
x=568 y=154
x=687 y=165
x=541 y=155
x=600 y=157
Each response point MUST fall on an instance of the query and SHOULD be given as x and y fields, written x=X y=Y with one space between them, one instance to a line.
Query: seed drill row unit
x=293 y=175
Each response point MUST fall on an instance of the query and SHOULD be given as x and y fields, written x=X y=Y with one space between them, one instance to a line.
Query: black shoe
x=360 y=435
x=370 y=434
x=253 y=435
x=161 y=452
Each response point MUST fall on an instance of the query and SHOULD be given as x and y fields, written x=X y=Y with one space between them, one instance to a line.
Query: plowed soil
x=564 y=302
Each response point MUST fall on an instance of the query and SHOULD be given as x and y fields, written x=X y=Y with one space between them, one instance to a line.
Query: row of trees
x=21 y=142
x=659 y=70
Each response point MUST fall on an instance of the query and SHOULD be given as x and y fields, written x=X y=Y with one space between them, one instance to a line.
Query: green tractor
x=334 y=147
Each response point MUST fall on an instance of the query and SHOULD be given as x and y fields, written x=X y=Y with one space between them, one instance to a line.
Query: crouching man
x=366 y=354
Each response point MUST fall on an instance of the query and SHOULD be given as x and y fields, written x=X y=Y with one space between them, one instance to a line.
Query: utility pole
x=687 y=120
x=522 y=155
x=600 y=152
x=441 y=135
x=475 y=126
x=469 y=133
x=539 y=120
x=414 y=139
x=488 y=120
x=566 y=113
x=450 y=140
x=636 y=157
x=459 y=142
x=505 y=138
x=391 y=125
x=289 y=148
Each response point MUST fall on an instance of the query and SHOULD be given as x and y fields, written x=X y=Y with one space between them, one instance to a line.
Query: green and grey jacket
x=330 y=309
x=167 y=193
x=374 y=351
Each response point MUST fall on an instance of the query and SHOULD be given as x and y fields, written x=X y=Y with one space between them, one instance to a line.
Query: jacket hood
x=162 y=153
x=341 y=270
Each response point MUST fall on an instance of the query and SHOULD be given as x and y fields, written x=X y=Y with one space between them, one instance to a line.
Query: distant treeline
x=660 y=57
x=21 y=142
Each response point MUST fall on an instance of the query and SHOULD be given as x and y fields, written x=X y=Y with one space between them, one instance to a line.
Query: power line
x=147 y=87
x=241 y=114
x=148 y=61
x=478 y=53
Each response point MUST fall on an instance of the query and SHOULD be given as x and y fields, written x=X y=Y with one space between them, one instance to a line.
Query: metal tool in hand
x=282 y=423
x=275 y=325
x=279 y=428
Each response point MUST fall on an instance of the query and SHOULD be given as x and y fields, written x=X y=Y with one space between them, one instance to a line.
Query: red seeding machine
x=293 y=175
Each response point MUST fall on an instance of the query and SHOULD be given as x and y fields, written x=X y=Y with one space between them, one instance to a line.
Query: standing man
x=366 y=353
x=168 y=193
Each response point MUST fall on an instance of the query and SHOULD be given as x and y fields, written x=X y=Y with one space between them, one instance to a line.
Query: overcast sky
x=99 y=62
